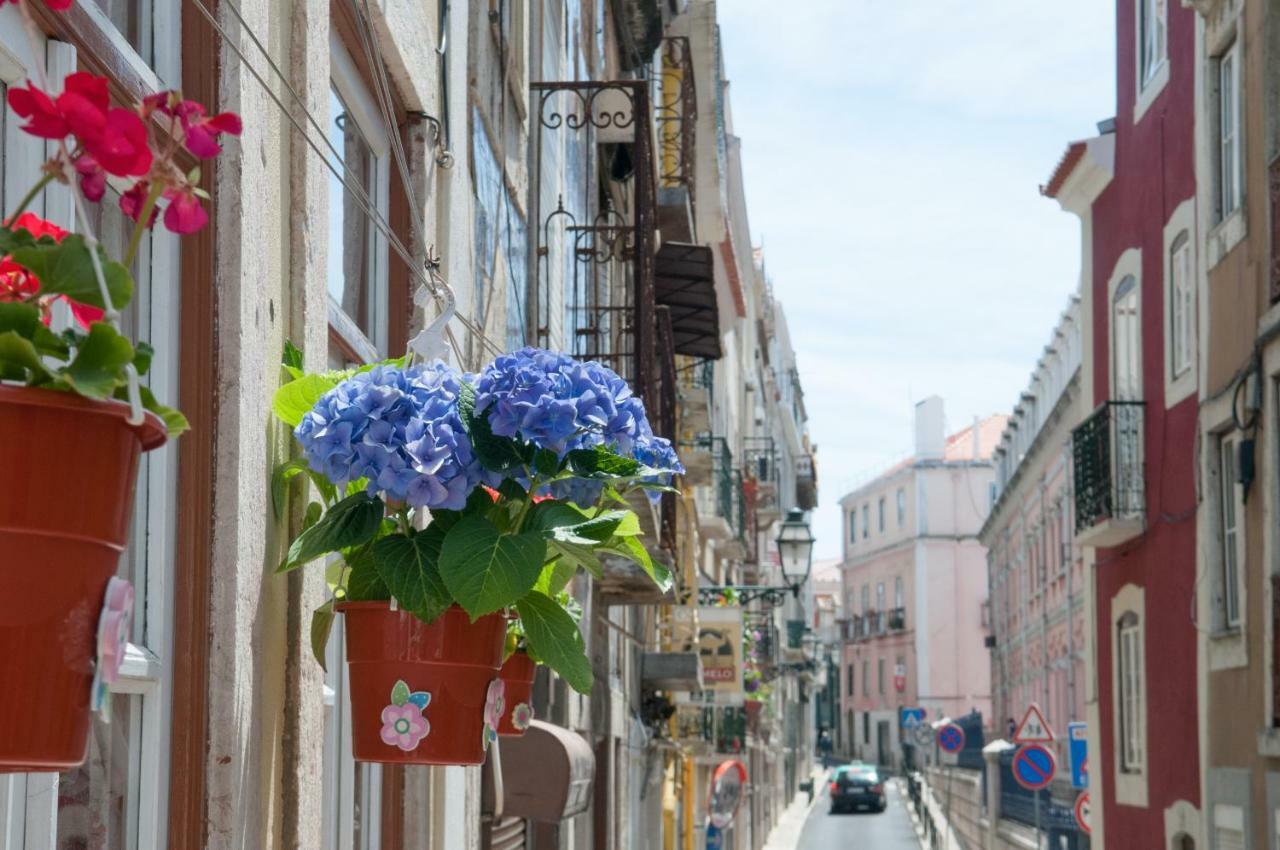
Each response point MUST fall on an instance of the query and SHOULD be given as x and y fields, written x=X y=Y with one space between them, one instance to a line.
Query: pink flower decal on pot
x=522 y=716
x=114 y=625
x=494 y=704
x=403 y=725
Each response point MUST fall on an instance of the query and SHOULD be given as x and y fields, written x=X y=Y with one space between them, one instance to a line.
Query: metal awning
x=685 y=283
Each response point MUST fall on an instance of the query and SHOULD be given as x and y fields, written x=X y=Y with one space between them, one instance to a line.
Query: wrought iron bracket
x=773 y=596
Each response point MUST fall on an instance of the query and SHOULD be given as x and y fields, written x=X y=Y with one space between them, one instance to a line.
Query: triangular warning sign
x=1033 y=729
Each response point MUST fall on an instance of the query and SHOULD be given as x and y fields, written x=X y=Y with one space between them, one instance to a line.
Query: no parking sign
x=1034 y=766
x=951 y=738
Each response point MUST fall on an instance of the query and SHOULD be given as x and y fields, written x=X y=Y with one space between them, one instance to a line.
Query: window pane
x=351 y=266
x=129 y=17
x=93 y=799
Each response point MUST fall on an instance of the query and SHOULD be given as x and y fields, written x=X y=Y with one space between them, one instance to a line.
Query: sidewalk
x=785 y=834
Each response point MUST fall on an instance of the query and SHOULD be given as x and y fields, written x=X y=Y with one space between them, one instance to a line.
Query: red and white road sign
x=1082 y=812
x=1033 y=729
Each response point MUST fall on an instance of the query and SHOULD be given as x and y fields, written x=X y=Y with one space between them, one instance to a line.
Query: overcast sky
x=893 y=153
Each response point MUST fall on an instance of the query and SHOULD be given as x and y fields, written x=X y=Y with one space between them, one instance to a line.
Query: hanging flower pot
x=422 y=694
x=517 y=673
x=70 y=465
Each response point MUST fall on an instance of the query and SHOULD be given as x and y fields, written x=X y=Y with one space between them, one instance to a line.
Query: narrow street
x=888 y=830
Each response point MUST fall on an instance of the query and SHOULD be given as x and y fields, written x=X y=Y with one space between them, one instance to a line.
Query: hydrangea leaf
x=633 y=550
x=556 y=576
x=292 y=357
x=66 y=268
x=321 y=627
x=485 y=570
x=364 y=581
x=497 y=454
x=562 y=522
x=293 y=400
x=556 y=640
x=408 y=566
x=285 y=472
x=603 y=463
x=578 y=555
x=354 y=520
x=98 y=366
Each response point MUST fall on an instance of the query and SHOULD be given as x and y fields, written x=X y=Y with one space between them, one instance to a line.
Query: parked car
x=856 y=786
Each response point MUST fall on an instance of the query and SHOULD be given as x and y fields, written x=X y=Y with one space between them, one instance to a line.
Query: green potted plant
x=73 y=413
x=450 y=504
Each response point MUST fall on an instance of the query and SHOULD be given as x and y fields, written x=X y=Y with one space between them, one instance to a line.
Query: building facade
x=1237 y=144
x=569 y=172
x=915 y=587
x=1034 y=572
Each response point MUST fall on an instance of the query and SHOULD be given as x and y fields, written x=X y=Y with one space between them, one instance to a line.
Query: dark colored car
x=856 y=786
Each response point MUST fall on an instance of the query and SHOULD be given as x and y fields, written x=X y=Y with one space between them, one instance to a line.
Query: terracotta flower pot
x=66 y=497
x=517 y=672
x=422 y=694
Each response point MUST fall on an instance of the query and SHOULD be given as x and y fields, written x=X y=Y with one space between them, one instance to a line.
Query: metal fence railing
x=1107 y=455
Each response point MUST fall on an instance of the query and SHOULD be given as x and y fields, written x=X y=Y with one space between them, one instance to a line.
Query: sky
x=892 y=156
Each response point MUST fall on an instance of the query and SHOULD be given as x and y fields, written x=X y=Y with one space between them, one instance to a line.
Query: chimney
x=931 y=435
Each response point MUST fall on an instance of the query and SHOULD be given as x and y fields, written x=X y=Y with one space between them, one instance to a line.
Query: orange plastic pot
x=517 y=673
x=446 y=668
x=69 y=466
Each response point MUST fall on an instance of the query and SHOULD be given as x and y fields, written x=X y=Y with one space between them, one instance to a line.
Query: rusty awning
x=684 y=281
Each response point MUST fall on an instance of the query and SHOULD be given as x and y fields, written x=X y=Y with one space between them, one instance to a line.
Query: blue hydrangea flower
x=397 y=428
x=558 y=403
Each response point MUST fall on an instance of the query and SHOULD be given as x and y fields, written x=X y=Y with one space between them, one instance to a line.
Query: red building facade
x=1134 y=472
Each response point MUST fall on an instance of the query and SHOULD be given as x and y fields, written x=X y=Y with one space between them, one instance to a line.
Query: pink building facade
x=915 y=587
x=1038 y=608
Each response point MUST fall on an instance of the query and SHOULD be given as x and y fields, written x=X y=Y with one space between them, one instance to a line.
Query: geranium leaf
x=409 y=568
x=633 y=550
x=321 y=627
x=142 y=354
x=65 y=268
x=295 y=399
x=485 y=570
x=19 y=360
x=556 y=640
x=98 y=367
x=354 y=520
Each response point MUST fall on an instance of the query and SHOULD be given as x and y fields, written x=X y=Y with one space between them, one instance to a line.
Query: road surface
x=889 y=830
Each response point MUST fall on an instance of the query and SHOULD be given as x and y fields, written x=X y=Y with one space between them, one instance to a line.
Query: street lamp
x=795 y=549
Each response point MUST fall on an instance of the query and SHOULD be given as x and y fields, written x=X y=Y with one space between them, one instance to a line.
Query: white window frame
x=1126 y=340
x=29 y=802
x=902 y=506
x=1228 y=819
x=1182 y=278
x=1151 y=53
x=1230 y=535
x=1228 y=149
x=897 y=592
x=880 y=520
x=866 y=521
x=340 y=785
x=1129 y=683
x=361 y=106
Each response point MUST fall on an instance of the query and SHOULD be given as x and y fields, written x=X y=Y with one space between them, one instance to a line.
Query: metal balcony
x=897 y=620
x=675 y=121
x=1107 y=453
x=760 y=465
x=806 y=483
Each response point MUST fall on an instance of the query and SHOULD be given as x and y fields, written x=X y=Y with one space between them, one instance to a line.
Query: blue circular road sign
x=1034 y=766
x=951 y=738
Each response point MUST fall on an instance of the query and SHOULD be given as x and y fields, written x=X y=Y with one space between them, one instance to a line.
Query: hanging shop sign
x=717 y=639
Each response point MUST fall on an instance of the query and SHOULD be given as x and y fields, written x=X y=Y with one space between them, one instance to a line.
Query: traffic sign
x=715 y=838
x=1082 y=813
x=1078 y=750
x=1033 y=729
x=1034 y=766
x=910 y=718
x=924 y=734
x=951 y=738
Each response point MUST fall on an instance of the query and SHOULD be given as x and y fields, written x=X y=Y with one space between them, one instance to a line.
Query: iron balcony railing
x=897 y=620
x=1107 y=453
x=806 y=483
x=871 y=624
x=675 y=116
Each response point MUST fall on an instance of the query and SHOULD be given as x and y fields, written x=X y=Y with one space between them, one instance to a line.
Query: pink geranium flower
x=404 y=726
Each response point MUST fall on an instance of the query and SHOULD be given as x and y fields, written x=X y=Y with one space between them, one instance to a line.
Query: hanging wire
x=422 y=277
